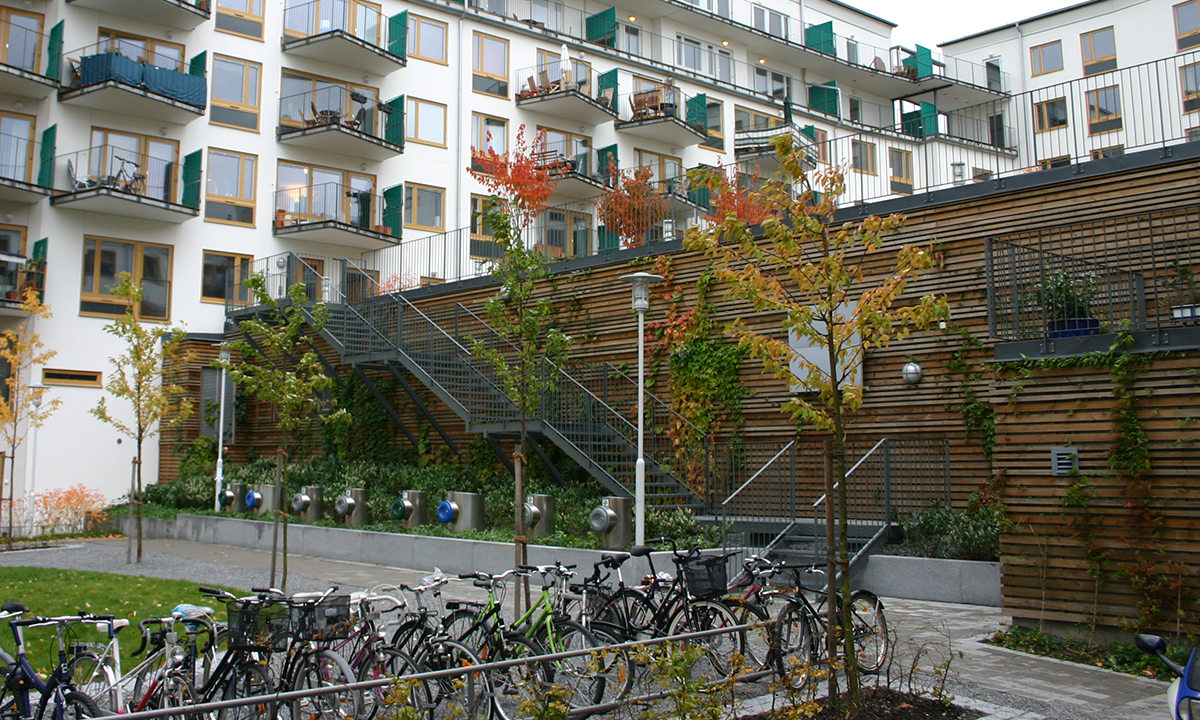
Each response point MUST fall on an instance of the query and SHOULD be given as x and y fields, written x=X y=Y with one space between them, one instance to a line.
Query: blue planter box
x=1073 y=327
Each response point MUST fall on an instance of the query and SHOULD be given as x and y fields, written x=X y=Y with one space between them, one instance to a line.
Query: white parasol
x=567 y=66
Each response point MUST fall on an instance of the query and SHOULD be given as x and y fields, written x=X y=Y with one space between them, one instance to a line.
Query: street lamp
x=223 y=355
x=35 y=399
x=641 y=282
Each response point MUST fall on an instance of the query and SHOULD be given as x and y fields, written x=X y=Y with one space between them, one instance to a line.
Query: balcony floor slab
x=116 y=97
x=114 y=202
x=337 y=138
x=17 y=191
x=15 y=81
x=171 y=13
x=336 y=232
x=668 y=130
x=338 y=47
x=570 y=105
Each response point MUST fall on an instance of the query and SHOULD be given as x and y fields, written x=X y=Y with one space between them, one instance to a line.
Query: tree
x=529 y=345
x=278 y=365
x=815 y=275
x=138 y=379
x=633 y=206
x=22 y=408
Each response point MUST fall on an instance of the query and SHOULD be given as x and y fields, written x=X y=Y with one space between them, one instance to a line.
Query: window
x=1051 y=114
x=1099 y=51
x=852 y=52
x=304 y=18
x=230 y=182
x=240 y=17
x=563 y=233
x=821 y=138
x=747 y=119
x=630 y=40
x=222 y=276
x=1104 y=109
x=426 y=122
x=1187 y=24
x=235 y=92
x=426 y=39
x=1190 y=83
x=1108 y=152
x=16 y=146
x=156 y=174
x=210 y=405
x=21 y=35
x=862 y=156
x=1193 y=135
x=483 y=236
x=488 y=133
x=690 y=52
x=1047 y=58
x=76 y=378
x=980 y=175
x=662 y=167
x=302 y=97
x=490 y=65
x=423 y=206
x=902 y=174
x=566 y=145
x=770 y=22
x=713 y=124
x=856 y=114
x=13 y=280
x=551 y=62
x=164 y=54
x=769 y=82
x=310 y=193
x=150 y=265
x=1055 y=162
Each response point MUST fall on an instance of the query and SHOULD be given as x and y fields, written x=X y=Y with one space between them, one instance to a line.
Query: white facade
x=747 y=57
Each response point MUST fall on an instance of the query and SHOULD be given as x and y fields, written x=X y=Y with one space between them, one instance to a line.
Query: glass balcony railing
x=126 y=171
x=337 y=203
x=130 y=63
x=339 y=106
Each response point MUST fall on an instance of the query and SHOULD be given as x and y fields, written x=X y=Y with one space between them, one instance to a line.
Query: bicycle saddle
x=640 y=550
x=14 y=606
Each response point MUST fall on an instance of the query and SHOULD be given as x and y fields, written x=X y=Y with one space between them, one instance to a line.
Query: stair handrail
x=761 y=470
x=485 y=324
x=400 y=298
x=326 y=285
x=657 y=400
x=850 y=472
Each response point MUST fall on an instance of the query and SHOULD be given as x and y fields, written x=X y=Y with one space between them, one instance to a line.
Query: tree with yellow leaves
x=22 y=407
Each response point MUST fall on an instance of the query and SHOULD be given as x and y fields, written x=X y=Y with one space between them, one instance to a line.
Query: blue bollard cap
x=446 y=511
x=252 y=499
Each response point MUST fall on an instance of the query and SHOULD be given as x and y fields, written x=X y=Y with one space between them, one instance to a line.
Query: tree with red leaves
x=633 y=206
x=518 y=177
x=728 y=197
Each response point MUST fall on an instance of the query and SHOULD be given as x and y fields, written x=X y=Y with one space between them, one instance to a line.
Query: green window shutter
x=198 y=65
x=605 y=81
x=602 y=27
x=398 y=35
x=39 y=250
x=393 y=129
x=810 y=131
x=46 y=169
x=824 y=98
x=191 y=180
x=697 y=112
x=697 y=192
x=820 y=38
x=920 y=123
x=606 y=158
x=54 y=52
x=393 y=209
x=788 y=119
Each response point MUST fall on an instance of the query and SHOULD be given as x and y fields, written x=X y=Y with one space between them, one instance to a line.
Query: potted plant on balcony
x=1066 y=302
x=1183 y=294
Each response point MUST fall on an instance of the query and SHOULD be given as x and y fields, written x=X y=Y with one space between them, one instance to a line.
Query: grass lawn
x=67 y=592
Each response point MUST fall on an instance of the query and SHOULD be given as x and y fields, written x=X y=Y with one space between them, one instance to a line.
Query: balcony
x=579 y=94
x=758 y=144
x=23 y=179
x=577 y=171
x=337 y=120
x=120 y=77
x=182 y=14
x=116 y=181
x=18 y=273
x=350 y=34
x=337 y=214
x=665 y=114
x=23 y=55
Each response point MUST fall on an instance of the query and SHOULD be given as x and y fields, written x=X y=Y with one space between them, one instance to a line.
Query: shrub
x=970 y=534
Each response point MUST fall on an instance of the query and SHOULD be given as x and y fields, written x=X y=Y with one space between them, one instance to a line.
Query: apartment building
x=191 y=141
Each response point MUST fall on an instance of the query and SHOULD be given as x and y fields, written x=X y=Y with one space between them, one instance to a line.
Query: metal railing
x=127 y=171
x=129 y=62
x=337 y=203
x=337 y=106
x=361 y=20
x=554 y=77
x=1085 y=278
x=26 y=48
x=663 y=102
x=18 y=159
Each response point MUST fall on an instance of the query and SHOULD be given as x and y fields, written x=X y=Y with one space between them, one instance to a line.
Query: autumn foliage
x=67 y=508
x=728 y=198
x=517 y=177
x=633 y=206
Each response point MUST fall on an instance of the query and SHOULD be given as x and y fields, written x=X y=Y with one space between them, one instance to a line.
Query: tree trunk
x=275 y=511
x=839 y=460
x=518 y=519
x=831 y=625
x=138 y=474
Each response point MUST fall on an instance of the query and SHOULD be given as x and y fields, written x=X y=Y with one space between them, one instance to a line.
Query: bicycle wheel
x=391 y=663
x=246 y=680
x=174 y=690
x=870 y=630
x=795 y=644
x=719 y=649
x=75 y=705
x=616 y=666
x=629 y=615
x=325 y=669
x=465 y=696
x=583 y=675
x=458 y=626
x=511 y=684
x=95 y=678
x=408 y=636
x=759 y=637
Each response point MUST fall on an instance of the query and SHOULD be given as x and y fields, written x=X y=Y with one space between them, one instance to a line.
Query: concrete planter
x=913 y=578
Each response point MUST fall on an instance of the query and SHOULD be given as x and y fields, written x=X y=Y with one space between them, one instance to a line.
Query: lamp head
x=36 y=392
x=641 y=282
x=912 y=373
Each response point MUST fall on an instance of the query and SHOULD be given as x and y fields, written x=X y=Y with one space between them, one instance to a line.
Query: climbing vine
x=979 y=417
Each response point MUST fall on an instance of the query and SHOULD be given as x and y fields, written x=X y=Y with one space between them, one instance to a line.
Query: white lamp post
x=641 y=282
x=224 y=356
x=36 y=400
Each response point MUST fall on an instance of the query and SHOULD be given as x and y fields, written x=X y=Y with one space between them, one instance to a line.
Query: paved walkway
x=1001 y=683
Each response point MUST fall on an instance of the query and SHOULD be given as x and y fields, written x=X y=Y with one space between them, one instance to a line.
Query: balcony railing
x=554 y=80
x=124 y=171
x=339 y=106
x=1138 y=271
x=27 y=49
x=325 y=279
x=130 y=64
x=357 y=19
x=336 y=203
x=20 y=161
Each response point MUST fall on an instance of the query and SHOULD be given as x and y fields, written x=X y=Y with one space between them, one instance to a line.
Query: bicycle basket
x=257 y=626
x=328 y=619
x=706 y=577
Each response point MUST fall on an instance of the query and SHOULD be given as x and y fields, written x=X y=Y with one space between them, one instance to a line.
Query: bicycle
x=130 y=181
x=58 y=697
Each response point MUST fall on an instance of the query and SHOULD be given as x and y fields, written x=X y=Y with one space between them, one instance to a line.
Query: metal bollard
x=539 y=516
x=239 y=498
x=361 y=515
x=410 y=508
x=461 y=511
x=613 y=522
x=265 y=501
x=308 y=503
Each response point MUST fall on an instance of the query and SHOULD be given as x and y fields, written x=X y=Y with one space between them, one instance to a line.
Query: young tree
x=279 y=366
x=529 y=343
x=22 y=350
x=632 y=207
x=138 y=379
x=815 y=275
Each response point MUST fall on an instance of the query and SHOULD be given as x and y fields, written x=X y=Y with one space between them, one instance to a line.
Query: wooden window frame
x=1180 y=43
x=313 y=79
x=414 y=51
x=477 y=226
x=1050 y=163
x=49 y=379
x=477 y=40
x=242 y=15
x=908 y=161
x=1087 y=46
x=874 y=169
x=1037 y=59
x=5 y=14
x=822 y=141
x=29 y=162
x=94 y=295
x=237 y=200
x=545 y=57
x=660 y=160
x=720 y=131
x=352 y=23
x=151 y=45
x=1192 y=97
x=775 y=120
x=347 y=176
x=412 y=115
x=1042 y=118
x=1094 y=119
x=238 y=259
x=981 y=175
x=142 y=151
x=255 y=109
x=411 y=207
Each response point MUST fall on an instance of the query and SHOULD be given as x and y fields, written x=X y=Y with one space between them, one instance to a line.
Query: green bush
x=193 y=487
x=969 y=534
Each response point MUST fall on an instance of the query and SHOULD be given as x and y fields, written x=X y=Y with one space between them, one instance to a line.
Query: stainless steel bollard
x=308 y=503
x=539 y=515
x=410 y=508
x=361 y=515
x=461 y=511
x=239 y=498
x=613 y=522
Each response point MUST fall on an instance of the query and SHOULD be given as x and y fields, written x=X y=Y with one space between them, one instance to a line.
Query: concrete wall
x=956 y=581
